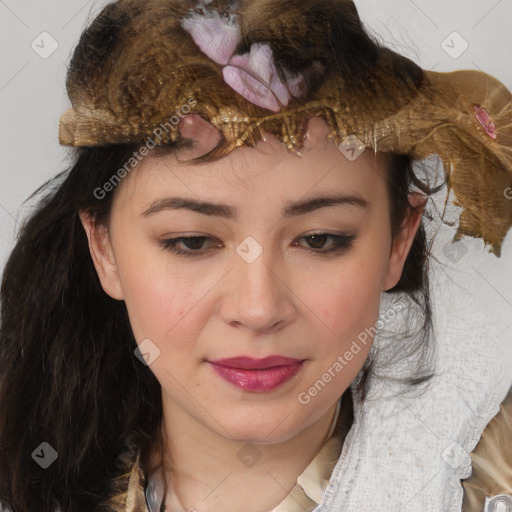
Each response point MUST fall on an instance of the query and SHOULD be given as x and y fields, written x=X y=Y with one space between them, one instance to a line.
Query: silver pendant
x=154 y=494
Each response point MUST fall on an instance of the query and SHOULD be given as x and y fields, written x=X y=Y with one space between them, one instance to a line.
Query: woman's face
x=291 y=256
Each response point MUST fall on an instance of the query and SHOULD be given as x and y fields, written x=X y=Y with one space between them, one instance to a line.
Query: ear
x=404 y=239
x=102 y=256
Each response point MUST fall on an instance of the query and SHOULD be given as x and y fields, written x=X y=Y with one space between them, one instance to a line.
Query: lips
x=257 y=375
x=249 y=363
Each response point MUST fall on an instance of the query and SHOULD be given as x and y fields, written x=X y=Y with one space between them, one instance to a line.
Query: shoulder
x=492 y=464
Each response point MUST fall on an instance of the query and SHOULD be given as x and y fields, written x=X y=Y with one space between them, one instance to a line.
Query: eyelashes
x=194 y=244
x=172 y=245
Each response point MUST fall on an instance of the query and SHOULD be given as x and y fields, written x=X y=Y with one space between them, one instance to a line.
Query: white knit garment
x=409 y=454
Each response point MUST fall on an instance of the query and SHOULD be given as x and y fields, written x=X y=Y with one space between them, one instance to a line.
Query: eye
x=191 y=246
x=317 y=240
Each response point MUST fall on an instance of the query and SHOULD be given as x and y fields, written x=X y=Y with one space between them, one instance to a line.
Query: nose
x=257 y=296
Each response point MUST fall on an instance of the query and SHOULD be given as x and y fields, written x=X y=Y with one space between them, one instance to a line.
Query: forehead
x=267 y=170
x=254 y=178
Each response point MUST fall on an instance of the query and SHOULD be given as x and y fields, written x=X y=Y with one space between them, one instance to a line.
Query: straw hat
x=259 y=66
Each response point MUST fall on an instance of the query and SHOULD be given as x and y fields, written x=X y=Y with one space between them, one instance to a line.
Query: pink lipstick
x=257 y=374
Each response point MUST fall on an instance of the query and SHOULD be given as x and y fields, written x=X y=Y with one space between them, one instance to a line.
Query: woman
x=173 y=344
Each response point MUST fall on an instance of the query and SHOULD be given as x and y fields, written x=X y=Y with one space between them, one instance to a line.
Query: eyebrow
x=291 y=209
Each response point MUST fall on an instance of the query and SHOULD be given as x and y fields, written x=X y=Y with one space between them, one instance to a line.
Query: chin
x=260 y=428
x=250 y=435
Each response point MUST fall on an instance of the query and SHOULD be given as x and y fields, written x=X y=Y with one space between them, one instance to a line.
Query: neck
x=209 y=472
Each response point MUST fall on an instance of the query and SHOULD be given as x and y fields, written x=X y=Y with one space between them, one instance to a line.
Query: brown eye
x=317 y=240
x=193 y=245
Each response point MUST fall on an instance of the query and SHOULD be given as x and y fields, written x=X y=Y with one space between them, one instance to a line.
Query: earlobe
x=404 y=239
x=102 y=256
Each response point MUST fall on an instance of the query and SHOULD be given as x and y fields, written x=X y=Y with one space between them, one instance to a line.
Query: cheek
x=159 y=299
x=165 y=312
x=349 y=304
x=350 y=300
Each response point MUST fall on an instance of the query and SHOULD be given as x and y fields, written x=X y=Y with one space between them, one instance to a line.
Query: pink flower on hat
x=217 y=38
x=253 y=75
